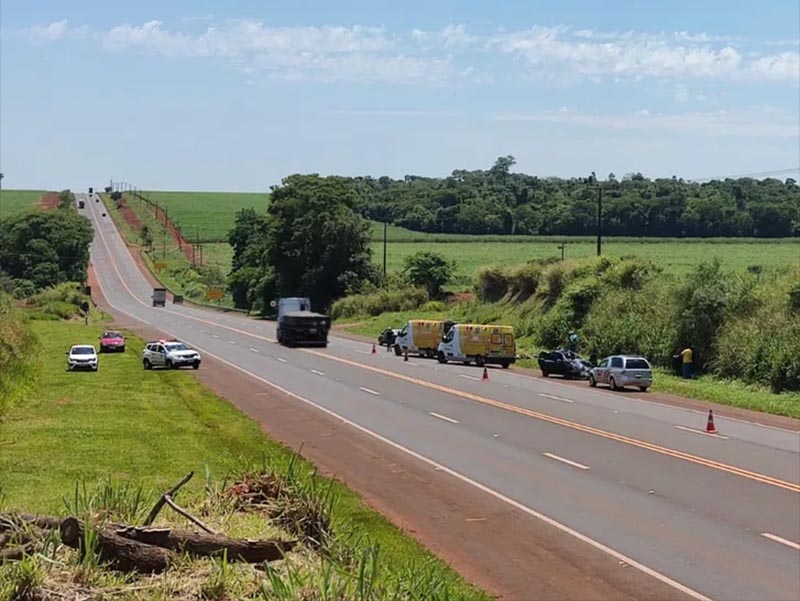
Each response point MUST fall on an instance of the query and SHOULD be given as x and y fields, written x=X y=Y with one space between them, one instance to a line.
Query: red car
x=112 y=342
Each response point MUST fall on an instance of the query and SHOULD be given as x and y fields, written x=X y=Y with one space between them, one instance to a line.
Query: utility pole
x=385 y=226
x=599 y=219
x=592 y=180
x=1 y=194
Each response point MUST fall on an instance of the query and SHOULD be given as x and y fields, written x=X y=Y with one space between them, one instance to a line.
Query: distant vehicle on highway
x=82 y=356
x=619 y=371
x=170 y=354
x=563 y=363
x=483 y=344
x=159 y=297
x=388 y=336
x=299 y=325
x=112 y=341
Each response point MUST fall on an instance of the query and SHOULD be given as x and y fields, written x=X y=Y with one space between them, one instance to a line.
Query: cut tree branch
x=162 y=501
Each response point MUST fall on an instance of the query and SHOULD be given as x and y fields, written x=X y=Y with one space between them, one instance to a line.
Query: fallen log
x=201 y=544
x=119 y=553
x=14 y=520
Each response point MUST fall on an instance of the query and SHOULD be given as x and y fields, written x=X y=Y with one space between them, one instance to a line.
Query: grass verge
x=129 y=434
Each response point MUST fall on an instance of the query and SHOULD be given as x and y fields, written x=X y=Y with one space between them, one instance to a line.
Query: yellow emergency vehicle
x=483 y=344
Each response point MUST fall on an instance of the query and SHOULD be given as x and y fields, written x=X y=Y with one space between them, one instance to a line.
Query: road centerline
x=567 y=461
x=369 y=391
x=444 y=417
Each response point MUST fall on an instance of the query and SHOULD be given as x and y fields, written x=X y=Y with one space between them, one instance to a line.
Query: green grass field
x=133 y=429
x=677 y=257
x=18 y=201
x=207 y=214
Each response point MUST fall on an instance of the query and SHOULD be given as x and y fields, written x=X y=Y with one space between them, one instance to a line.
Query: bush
x=17 y=345
x=524 y=281
x=491 y=284
x=381 y=301
x=429 y=270
x=65 y=301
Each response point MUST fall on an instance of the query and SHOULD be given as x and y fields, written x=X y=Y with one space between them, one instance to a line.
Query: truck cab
x=299 y=325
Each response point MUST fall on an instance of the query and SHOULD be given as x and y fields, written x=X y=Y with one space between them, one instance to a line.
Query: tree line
x=43 y=248
x=497 y=201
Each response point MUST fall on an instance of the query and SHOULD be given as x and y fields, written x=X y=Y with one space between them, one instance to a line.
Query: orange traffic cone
x=485 y=374
x=373 y=349
x=710 y=423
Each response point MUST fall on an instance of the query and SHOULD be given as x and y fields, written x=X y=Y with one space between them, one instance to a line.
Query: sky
x=235 y=95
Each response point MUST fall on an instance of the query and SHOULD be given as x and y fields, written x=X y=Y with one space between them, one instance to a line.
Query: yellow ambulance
x=483 y=344
x=421 y=337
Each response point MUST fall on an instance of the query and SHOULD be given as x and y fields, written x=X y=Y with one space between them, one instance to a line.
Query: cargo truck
x=299 y=325
x=483 y=344
x=421 y=337
x=159 y=297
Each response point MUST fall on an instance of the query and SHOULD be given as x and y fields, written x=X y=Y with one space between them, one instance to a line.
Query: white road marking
x=783 y=541
x=282 y=360
x=318 y=372
x=215 y=335
x=437 y=466
x=363 y=352
x=374 y=392
x=692 y=430
x=466 y=377
x=414 y=364
x=444 y=417
x=255 y=350
x=567 y=461
x=232 y=341
x=555 y=398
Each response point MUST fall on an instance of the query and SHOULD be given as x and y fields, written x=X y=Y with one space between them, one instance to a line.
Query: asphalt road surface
x=714 y=517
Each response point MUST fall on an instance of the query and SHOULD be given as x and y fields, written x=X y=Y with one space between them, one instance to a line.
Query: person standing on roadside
x=572 y=341
x=687 y=356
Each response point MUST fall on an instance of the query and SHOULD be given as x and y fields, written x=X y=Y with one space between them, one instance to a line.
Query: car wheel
x=170 y=365
x=545 y=374
x=480 y=361
x=95 y=368
x=643 y=388
x=397 y=350
x=505 y=365
x=613 y=384
x=196 y=365
x=147 y=364
x=122 y=349
x=592 y=382
x=441 y=358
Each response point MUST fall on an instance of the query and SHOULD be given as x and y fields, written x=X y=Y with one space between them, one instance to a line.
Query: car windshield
x=82 y=350
x=636 y=364
x=112 y=335
x=177 y=346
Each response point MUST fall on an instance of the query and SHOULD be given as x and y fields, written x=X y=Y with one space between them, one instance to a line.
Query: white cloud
x=681 y=93
x=54 y=31
x=631 y=54
x=765 y=122
x=327 y=53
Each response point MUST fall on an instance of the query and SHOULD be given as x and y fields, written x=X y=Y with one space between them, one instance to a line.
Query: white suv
x=620 y=371
x=82 y=356
x=171 y=354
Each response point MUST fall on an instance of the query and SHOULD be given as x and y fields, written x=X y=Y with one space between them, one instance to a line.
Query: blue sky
x=235 y=95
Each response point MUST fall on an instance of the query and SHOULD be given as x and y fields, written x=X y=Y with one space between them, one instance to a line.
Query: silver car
x=619 y=371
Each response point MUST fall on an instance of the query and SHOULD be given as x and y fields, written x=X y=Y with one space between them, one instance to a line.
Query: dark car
x=563 y=363
x=388 y=336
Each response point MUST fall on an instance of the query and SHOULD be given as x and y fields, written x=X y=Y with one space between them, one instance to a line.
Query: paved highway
x=713 y=517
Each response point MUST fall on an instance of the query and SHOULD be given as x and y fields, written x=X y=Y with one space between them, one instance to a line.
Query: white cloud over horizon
x=358 y=53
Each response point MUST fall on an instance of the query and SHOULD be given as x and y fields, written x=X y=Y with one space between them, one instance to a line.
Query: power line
x=758 y=174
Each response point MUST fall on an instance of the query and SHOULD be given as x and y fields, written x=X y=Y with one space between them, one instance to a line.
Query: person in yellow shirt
x=688 y=362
